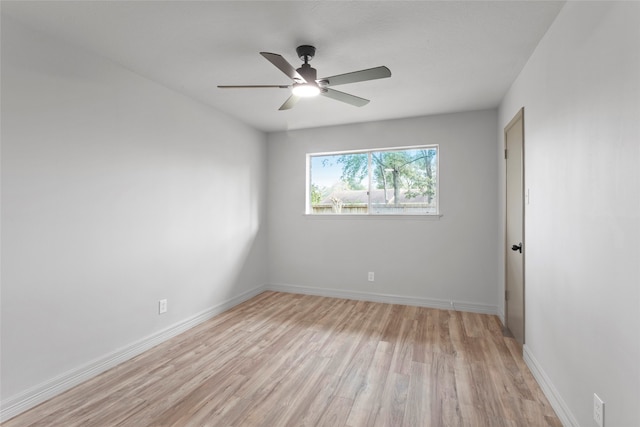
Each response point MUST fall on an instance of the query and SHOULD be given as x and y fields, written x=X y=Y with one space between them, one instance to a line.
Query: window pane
x=404 y=182
x=338 y=184
x=383 y=182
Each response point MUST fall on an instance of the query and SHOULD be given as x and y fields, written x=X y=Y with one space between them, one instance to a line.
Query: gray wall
x=116 y=192
x=425 y=261
x=581 y=94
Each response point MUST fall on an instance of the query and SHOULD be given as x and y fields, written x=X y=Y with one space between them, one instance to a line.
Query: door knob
x=517 y=247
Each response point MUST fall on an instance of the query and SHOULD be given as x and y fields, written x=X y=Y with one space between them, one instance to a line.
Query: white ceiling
x=445 y=56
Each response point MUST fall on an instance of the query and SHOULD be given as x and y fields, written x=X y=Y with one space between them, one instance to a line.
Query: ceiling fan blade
x=358 y=76
x=289 y=103
x=283 y=65
x=344 y=97
x=252 y=86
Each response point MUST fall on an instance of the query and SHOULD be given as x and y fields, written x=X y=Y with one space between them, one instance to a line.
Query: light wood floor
x=295 y=360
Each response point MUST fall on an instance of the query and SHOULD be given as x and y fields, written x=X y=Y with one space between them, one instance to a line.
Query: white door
x=514 y=250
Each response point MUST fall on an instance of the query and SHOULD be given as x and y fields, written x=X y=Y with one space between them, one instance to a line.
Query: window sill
x=333 y=217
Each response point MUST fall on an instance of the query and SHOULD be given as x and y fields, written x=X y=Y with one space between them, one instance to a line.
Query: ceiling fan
x=306 y=83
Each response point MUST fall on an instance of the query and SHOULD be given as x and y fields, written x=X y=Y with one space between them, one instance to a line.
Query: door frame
x=519 y=115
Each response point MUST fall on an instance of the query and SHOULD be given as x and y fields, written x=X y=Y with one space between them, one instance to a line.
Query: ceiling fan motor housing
x=308 y=73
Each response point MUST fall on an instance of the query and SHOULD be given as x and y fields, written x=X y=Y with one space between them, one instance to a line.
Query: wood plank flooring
x=295 y=360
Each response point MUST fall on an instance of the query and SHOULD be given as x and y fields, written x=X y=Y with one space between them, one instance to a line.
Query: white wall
x=422 y=261
x=581 y=94
x=116 y=192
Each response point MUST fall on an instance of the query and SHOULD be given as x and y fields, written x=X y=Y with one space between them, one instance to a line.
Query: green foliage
x=412 y=171
x=354 y=170
x=316 y=195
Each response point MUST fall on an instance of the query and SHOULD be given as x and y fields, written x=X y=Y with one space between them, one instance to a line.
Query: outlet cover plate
x=162 y=306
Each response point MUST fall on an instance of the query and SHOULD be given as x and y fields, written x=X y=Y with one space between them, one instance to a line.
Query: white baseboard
x=15 y=405
x=559 y=405
x=386 y=298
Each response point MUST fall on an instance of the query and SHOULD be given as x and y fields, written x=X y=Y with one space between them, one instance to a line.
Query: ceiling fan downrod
x=306 y=53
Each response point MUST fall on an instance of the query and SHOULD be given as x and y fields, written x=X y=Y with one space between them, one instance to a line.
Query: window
x=395 y=181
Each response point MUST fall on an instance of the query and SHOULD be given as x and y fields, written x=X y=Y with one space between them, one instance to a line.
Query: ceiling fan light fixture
x=305 y=90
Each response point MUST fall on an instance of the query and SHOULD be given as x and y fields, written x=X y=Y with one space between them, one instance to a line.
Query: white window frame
x=309 y=210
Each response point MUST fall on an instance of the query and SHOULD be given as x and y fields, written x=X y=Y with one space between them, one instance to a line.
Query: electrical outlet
x=598 y=410
x=162 y=306
x=371 y=276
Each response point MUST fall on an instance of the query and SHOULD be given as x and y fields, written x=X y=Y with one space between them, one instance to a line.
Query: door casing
x=514 y=227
